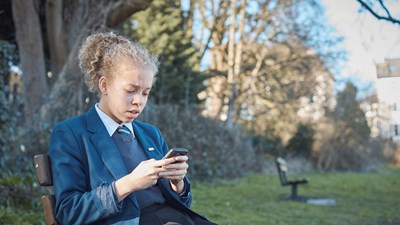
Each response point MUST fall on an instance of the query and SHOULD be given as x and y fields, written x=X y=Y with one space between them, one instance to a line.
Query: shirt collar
x=110 y=124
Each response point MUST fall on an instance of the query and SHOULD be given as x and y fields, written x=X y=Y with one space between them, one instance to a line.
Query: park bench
x=282 y=170
x=43 y=176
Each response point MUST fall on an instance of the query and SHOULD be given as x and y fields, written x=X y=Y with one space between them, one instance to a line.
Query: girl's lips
x=133 y=113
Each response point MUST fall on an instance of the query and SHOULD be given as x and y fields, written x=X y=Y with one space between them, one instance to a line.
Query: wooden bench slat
x=48 y=203
x=43 y=176
x=43 y=170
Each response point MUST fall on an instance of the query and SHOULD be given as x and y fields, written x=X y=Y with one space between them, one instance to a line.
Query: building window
x=392 y=69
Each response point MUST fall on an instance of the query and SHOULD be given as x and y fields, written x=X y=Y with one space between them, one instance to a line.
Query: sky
x=366 y=39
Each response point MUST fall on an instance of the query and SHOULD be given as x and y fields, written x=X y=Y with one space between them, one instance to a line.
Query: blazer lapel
x=104 y=145
x=148 y=146
x=106 y=148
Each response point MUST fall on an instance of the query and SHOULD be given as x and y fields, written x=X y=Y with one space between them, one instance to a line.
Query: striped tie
x=124 y=130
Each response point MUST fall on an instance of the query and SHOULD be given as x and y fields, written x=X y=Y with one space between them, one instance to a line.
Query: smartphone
x=176 y=152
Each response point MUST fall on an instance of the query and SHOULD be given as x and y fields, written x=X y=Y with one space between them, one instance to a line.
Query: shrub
x=19 y=200
x=10 y=216
x=338 y=147
x=214 y=150
x=302 y=141
x=17 y=191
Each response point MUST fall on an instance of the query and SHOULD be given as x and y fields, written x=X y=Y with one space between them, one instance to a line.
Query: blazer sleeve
x=75 y=202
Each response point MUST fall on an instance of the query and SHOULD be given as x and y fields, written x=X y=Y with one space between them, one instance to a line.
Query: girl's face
x=124 y=96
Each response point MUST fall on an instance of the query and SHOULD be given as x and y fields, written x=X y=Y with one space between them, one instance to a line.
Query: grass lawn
x=371 y=198
x=361 y=198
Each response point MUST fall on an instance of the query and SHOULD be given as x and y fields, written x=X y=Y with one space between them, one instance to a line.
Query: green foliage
x=10 y=216
x=301 y=144
x=161 y=29
x=19 y=200
x=16 y=191
x=361 y=199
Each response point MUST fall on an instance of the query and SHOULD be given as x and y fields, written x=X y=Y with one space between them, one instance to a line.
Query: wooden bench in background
x=43 y=176
x=282 y=170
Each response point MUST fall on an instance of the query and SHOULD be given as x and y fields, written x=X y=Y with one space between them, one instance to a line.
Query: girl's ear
x=103 y=85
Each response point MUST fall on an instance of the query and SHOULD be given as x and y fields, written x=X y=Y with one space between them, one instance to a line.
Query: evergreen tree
x=349 y=111
x=161 y=28
x=347 y=149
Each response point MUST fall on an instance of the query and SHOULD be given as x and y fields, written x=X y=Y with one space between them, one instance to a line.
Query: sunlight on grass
x=361 y=198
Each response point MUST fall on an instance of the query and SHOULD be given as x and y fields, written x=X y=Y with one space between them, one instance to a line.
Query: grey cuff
x=106 y=194
x=186 y=190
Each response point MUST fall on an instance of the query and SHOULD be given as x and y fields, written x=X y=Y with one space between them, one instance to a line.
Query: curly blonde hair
x=101 y=52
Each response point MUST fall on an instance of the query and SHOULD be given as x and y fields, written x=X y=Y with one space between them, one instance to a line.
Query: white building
x=388 y=93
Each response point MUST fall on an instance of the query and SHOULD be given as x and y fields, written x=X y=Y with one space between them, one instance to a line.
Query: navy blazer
x=85 y=161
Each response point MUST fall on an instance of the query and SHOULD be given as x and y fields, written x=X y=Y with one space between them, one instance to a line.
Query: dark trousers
x=163 y=214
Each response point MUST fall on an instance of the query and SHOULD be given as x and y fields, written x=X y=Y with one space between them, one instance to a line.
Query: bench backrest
x=43 y=176
x=282 y=169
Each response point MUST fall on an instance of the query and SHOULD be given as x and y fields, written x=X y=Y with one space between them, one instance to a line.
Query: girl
x=107 y=167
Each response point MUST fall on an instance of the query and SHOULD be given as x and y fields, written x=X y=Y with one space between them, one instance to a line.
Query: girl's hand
x=143 y=176
x=176 y=172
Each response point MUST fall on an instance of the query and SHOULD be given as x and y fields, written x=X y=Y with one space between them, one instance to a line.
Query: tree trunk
x=30 y=45
x=56 y=35
x=231 y=62
x=121 y=10
x=238 y=59
x=234 y=59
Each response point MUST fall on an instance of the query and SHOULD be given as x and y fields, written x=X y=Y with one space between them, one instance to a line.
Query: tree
x=349 y=111
x=235 y=46
x=30 y=45
x=258 y=72
x=379 y=10
x=346 y=148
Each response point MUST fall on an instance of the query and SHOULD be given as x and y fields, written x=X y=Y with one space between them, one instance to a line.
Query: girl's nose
x=137 y=99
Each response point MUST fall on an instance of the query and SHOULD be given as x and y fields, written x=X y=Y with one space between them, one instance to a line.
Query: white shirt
x=110 y=124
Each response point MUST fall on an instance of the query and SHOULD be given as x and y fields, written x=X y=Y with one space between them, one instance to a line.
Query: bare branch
x=387 y=17
x=121 y=10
